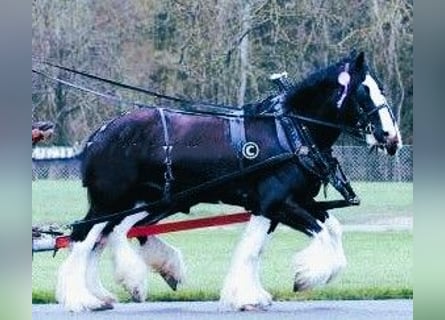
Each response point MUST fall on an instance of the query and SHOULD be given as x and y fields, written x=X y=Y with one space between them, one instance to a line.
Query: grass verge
x=379 y=267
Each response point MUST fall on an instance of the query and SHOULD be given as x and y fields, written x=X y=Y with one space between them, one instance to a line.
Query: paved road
x=313 y=310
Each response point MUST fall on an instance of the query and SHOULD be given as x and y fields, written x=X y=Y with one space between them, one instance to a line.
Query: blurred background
x=219 y=51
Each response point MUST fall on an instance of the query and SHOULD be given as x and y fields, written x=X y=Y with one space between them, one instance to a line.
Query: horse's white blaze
x=242 y=286
x=71 y=289
x=379 y=99
x=375 y=93
x=129 y=268
x=323 y=259
x=163 y=258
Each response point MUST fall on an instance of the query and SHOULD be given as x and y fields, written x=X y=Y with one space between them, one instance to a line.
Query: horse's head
x=346 y=95
x=368 y=107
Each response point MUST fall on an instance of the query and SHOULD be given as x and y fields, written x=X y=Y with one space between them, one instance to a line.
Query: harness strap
x=168 y=174
x=281 y=135
x=238 y=137
x=292 y=135
x=155 y=217
x=322 y=165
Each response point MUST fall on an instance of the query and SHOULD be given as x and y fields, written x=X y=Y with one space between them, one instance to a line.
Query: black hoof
x=103 y=307
x=253 y=307
x=172 y=282
x=300 y=286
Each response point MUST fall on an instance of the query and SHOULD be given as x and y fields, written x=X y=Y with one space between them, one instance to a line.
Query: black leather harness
x=292 y=136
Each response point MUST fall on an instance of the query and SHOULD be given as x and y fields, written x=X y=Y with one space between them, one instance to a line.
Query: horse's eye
x=366 y=89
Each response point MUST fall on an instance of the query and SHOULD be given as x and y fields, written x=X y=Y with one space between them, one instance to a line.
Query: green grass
x=66 y=201
x=379 y=263
x=379 y=266
x=378 y=201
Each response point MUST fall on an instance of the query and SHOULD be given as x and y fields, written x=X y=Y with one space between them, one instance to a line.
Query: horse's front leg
x=242 y=288
x=324 y=258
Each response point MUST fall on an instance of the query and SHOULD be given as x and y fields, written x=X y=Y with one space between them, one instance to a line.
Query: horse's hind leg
x=242 y=288
x=72 y=290
x=129 y=268
x=93 y=278
x=164 y=259
x=323 y=259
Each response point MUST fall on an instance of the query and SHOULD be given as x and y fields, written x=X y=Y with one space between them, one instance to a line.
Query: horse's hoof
x=301 y=285
x=137 y=296
x=103 y=307
x=171 y=281
x=253 y=307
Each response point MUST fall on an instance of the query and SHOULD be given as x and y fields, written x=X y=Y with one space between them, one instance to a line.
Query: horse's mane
x=313 y=80
x=296 y=89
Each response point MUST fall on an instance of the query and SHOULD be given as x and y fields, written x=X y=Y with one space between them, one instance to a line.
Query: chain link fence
x=357 y=163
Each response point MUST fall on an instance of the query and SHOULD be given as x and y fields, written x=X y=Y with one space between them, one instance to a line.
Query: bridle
x=364 y=118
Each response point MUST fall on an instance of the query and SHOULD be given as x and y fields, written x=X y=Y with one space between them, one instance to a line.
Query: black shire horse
x=271 y=160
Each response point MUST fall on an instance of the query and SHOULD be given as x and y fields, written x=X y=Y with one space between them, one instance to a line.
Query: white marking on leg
x=71 y=289
x=129 y=269
x=242 y=287
x=164 y=259
x=94 y=284
x=323 y=259
x=336 y=231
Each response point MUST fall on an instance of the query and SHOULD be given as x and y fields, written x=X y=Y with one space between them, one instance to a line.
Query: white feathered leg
x=242 y=288
x=129 y=269
x=94 y=284
x=71 y=289
x=164 y=259
x=323 y=259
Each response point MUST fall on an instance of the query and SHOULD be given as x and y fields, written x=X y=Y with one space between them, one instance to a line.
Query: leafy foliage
x=198 y=49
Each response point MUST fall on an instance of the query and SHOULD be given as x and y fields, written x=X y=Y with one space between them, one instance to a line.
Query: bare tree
x=219 y=51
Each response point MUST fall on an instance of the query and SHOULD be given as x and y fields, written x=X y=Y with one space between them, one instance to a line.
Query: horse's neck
x=323 y=137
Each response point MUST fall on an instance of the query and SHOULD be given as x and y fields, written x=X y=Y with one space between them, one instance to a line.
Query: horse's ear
x=359 y=63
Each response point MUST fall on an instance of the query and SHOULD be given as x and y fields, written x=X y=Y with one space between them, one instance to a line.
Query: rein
x=132 y=87
x=221 y=110
x=357 y=132
x=227 y=111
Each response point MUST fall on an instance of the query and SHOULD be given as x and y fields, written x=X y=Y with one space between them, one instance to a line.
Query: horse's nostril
x=385 y=133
